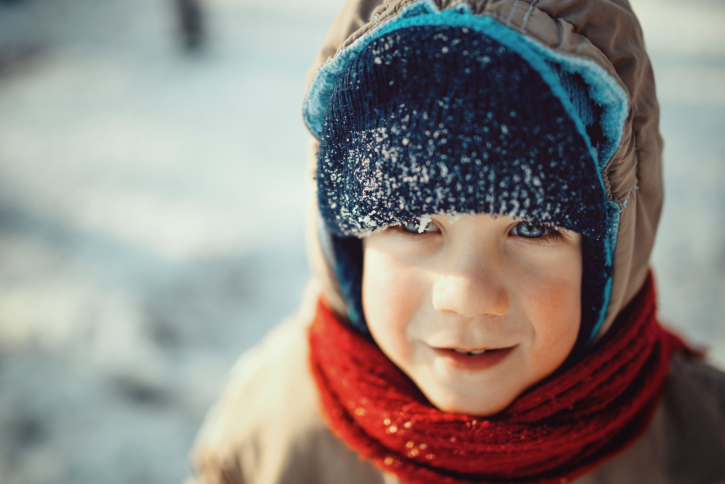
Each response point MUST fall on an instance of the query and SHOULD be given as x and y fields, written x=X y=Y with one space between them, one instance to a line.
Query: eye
x=531 y=230
x=414 y=227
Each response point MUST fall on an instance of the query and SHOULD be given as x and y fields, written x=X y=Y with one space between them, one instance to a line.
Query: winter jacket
x=267 y=426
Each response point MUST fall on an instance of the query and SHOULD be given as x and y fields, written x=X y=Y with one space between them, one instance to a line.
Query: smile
x=473 y=360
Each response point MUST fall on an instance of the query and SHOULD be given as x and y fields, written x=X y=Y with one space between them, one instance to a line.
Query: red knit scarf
x=554 y=432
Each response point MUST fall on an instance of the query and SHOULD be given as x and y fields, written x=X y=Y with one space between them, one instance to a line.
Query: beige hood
x=603 y=34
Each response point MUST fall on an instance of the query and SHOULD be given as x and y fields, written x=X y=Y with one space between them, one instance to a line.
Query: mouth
x=473 y=359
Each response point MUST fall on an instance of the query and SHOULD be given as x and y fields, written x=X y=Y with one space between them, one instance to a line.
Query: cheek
x=553 y=306
x=551 y=300
x=392 y=294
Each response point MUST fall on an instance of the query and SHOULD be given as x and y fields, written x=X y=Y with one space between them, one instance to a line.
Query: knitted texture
x=430 y=120
x=558 y=430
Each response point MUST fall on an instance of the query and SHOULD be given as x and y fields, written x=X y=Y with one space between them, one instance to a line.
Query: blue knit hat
x=440 y=119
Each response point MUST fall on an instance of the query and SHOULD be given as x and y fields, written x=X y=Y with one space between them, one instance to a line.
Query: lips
x=473 y=360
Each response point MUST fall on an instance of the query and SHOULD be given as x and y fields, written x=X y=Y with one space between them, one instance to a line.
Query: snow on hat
x=441 y=119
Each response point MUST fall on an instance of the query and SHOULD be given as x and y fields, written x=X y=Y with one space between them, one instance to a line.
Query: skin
x=476 y=283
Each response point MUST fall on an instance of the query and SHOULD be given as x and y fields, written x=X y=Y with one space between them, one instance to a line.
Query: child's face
x=479 y=283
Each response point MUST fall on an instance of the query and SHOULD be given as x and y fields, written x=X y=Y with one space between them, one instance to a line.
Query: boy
x=488 y=189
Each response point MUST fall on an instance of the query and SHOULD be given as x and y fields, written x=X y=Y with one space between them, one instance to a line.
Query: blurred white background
x=152 y=204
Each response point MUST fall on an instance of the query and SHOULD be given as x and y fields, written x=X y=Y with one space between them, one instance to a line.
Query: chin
x=478 y=405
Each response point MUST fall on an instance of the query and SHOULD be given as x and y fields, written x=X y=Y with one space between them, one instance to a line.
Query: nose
x=471 y=293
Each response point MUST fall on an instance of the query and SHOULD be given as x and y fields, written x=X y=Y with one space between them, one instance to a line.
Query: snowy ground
x=152 y=205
